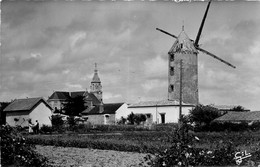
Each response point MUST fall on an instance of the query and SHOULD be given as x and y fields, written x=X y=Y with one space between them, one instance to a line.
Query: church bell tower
x=96 y=87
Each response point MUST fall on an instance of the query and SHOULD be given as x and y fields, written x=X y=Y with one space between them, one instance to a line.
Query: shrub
x=203 y=115
x=229 y=126
x=57 y=123
x=182 y=152
x=135 y=118
x=46 y=129
x=16 y=151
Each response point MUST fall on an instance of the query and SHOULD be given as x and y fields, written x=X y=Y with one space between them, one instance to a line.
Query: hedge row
x=229 y=126
x=86 y=128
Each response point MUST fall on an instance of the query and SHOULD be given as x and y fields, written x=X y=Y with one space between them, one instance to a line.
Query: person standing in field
x=36 y=127
x=30 y=126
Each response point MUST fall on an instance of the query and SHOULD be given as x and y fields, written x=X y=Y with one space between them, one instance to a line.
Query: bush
x=135 y=118
x=16 y=151
x=57 y=123
x=203 y=115
x=182 y=152
x=229 y=126
x=46 y=129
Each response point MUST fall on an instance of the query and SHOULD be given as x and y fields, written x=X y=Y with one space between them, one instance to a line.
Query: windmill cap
x=183 y=44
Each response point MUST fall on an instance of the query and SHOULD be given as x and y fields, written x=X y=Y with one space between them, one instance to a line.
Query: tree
x=2 y=113
x=139 y=118
x=74 y=106
x=203 y=115
x=56 y=121
x=122 y=121
x=238 y=109
x=136 y=118
x=131 y=118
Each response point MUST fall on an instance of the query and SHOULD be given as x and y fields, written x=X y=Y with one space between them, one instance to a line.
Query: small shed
x=20 y=111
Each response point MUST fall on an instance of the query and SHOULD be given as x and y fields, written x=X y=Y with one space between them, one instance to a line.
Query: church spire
x=182 y=25
x=96 y=87
x=95 y=78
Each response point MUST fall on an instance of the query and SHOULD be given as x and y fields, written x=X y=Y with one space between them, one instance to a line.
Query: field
x=84 y=157
x=146 y=142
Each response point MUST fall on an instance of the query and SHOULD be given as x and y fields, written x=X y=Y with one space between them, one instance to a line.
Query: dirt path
x=83 y=157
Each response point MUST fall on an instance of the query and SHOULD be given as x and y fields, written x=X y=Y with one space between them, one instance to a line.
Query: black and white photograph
x=130 y=83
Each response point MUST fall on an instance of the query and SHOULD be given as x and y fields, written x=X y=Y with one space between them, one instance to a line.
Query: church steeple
x=95 y=78
x=96 y=87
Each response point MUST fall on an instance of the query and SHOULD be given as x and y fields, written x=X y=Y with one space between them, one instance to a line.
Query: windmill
x=186 y=50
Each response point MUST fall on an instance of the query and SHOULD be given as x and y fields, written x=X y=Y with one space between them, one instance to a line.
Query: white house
x=122 y=111
x=164 y=111
x=111 y=113
x=21 y=110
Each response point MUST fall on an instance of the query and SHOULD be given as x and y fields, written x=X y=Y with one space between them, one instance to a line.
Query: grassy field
x=151 y=141
x=147 y=141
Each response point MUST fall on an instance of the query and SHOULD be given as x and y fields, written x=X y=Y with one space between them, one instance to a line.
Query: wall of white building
x=123 y=111
x=17 y=118
x=42 y=113
x=171 y=112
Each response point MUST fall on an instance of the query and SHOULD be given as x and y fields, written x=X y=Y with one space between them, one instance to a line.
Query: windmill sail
x=216 y=57
x=174 y=36
x=201 y=26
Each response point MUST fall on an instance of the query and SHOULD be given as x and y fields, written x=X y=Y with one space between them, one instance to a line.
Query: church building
x=92 y=99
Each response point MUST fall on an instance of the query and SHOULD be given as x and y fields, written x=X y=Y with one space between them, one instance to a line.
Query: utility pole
x=180 y=100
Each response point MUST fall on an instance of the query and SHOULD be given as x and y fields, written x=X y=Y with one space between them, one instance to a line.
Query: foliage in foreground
x=16 y=151
x=182 y=152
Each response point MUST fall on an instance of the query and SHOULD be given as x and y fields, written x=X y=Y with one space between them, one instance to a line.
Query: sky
x=52 y=45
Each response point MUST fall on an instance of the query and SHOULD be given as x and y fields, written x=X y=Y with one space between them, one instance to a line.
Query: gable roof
x=93 y=98
x=109 y=108
x=161 y=103
x=75 y=94
x=25 y=104
x=240 y=116
x=57 y=95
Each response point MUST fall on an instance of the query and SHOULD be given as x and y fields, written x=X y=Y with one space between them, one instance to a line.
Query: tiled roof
x=183 y=44
x=109 y=108
x=93 y=98
x=25 y=104
x=240 y=116
x=94 y=111
x=60 y=96
x=158 y=103
x=226 y=107
x=75 y=94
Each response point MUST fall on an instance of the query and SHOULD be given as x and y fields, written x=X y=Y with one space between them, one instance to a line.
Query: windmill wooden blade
x=216 y=57
x=201 y=26
x=166 y=33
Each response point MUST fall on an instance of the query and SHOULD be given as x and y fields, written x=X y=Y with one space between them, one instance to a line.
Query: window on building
x=172 y=57
x=171 y=70
x=171 y=88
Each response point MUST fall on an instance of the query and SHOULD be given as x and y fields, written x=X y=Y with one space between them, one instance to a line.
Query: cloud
x=53 y=46
x=156 y=67
x=77 y=38
x=111 y=97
